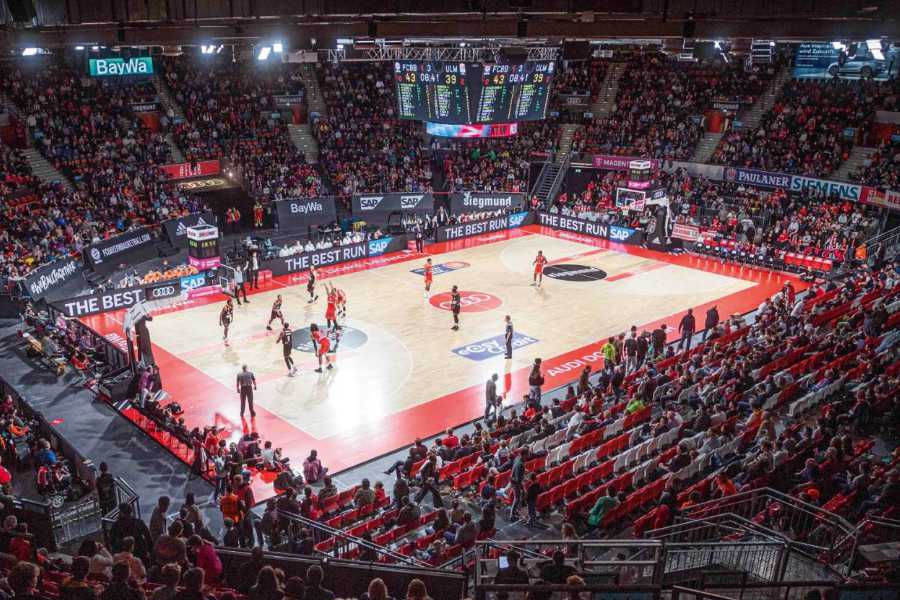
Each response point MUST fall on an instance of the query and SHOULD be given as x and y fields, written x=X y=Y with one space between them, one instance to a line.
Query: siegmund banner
x=465 y=202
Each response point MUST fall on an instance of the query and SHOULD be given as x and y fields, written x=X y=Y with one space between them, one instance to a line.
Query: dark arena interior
x=463 y=299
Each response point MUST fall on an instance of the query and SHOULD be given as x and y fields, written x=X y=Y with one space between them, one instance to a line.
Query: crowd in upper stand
x=809 y=130
x=363 y=145
x=231 y=114
x=658 y=104
x=881 y=168
x=86 y=129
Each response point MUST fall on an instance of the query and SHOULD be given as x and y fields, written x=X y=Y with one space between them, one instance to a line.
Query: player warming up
x=341 y=303
x=225 y=318
x=311 y=285
x=331 y=310
x=429 y=276
x=286 y=339
x=322 y=345
x=539 y=261
x=455 y=306
x=276 y=313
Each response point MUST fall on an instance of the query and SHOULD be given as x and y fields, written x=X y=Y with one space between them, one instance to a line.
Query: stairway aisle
x=606 y=100
x=858 y=155
x=44 y=171
x=566 y=134
x=305 y=141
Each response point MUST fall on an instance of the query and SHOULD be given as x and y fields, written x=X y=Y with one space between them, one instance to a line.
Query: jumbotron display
x=460 y=93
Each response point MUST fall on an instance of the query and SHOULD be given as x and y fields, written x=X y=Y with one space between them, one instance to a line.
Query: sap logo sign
x=492 y=347
x=192 y=282
x=369 y=202
x=516 y=219
x=620 y=234
x=377 y=247
x=408 y=202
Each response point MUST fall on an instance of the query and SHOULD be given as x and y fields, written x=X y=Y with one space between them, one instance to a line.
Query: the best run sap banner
x=366 y=204
x=464 y=230
x=176 y=229
x=615 y=233
x=106 y=256
x=318 y=258
x=84 y=306
x=51 y=277
x=296 y=214
x=465 y=202
x=185 y=170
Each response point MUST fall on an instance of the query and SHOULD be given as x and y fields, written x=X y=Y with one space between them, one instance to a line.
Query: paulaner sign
x=118 y=67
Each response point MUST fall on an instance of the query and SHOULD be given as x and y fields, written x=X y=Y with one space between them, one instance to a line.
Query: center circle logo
x=568 y=272
x=468 y=301
x=348 y=338
x=456 y=264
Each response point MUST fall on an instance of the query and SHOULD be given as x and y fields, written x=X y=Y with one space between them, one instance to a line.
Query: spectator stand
x=65 y=506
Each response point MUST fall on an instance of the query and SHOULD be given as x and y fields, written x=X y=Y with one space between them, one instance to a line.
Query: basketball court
x=401 y=372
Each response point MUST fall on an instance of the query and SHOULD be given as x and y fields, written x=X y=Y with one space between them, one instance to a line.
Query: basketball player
x=321 y=344
x=286 y=338
x=539 y=261
x=341 y=303
x=225 y=318
x=276 y=313
x=429 y=276
x=455 y=306
x=331 y=310
x=311 y=285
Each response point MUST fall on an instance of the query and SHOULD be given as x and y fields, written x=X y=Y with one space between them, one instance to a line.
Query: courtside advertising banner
x=591 y=228
x=50 y=277
x=366 y=204
x=825 y=187
x=464 y=202
x=185 y=170
x=107 y=255
x=295 y=214
x=317 y=258
x=176 y=229
x=688 y=233
x=118 y=299
x=463 y=230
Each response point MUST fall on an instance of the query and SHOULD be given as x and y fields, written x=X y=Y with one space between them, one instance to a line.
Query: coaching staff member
x=508 y=336
x=246 y=383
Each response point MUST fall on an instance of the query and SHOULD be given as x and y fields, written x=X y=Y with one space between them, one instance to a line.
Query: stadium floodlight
x=207 y=49
x=264 y=53
x=219 y=49
x=875 y=49
x=95 y=48
x=277 y=47
x=29 y=51
x=79 y=47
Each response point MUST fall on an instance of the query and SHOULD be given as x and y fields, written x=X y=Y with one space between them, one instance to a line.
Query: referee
x=246 y=383
x=508 y=337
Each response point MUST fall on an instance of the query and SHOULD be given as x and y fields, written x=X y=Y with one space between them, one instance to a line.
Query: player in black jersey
x=286 y=339
x=276 y=313
x=311 y=285
x=455 y=305
x=225 y=318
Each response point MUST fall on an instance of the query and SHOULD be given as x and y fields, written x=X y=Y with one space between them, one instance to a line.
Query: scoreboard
x=515 y=92
x=433 y=91
x=460 y=93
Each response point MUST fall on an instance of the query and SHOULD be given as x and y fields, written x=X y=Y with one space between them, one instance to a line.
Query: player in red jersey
x=331 y=310
x=322 y=345
x=429 y=276
x=539 y=261
x=341 y=303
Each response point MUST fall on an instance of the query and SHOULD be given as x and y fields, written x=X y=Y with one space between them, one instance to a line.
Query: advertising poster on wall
x=857 y=60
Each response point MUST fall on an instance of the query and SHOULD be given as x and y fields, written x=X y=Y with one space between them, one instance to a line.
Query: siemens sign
x=118 y=67
x=824 y=187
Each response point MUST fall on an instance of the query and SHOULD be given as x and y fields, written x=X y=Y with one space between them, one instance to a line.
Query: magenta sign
x=618 y=163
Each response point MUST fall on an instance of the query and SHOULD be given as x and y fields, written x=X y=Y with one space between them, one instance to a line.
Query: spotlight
x=264 y=53
x=277 y=47
x=29 y=51
x=79 y=47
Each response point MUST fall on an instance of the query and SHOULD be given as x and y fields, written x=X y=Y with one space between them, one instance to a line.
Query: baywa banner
x=118 y=299
x=463 y=202
x=856 y=60
x=108 y=254
x=392 y=201
x=176 y=229
x=51 y=277
x=318 y=258
x=598 y=230
x=299 y=213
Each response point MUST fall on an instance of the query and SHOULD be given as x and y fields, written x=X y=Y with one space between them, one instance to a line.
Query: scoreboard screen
x=518 y=92
x=461 y=93
x=433 y=91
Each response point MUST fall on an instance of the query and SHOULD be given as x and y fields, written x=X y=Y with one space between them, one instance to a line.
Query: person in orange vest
x=232 y=219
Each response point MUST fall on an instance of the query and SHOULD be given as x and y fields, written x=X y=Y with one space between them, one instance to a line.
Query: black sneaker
x=319 y=370
x=330 y=366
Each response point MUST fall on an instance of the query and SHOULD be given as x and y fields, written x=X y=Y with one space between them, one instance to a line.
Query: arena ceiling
x=60 y=23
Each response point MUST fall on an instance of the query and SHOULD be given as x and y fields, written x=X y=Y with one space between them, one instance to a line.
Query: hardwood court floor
x=401 y=373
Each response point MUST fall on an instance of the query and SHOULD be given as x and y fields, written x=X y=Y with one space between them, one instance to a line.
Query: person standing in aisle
x=686 y=328
x=246 y=384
